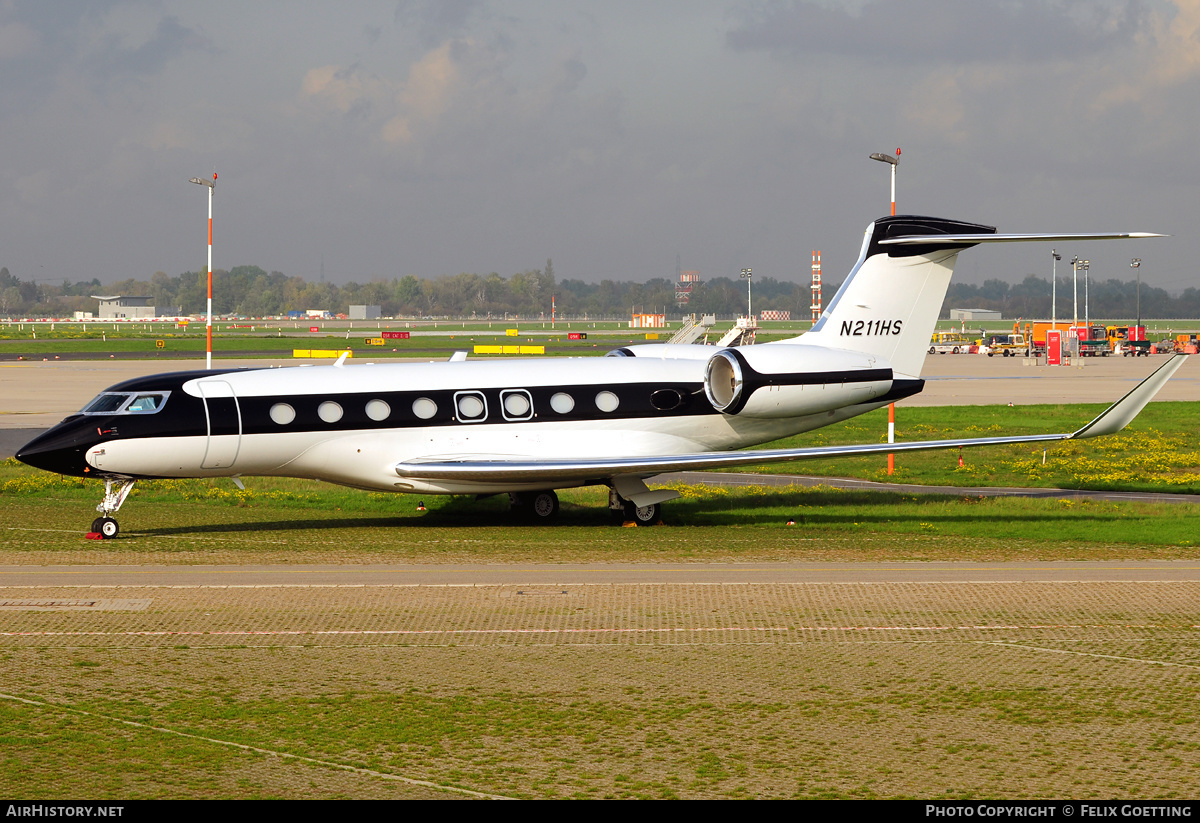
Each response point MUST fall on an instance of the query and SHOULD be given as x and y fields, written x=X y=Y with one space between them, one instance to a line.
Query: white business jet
x=528 y=427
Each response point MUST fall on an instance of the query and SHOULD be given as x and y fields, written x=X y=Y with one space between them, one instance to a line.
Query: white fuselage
x=253 y=441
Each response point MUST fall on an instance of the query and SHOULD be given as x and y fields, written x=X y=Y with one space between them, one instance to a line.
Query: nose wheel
x=106 y=527
x=115 y=492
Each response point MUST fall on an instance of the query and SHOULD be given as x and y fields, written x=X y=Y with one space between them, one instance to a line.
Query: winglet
x=1119 y=414
x=341 y=361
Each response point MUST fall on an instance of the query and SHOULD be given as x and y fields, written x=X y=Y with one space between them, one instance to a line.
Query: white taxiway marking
x=229 y=743
x=1091 y=654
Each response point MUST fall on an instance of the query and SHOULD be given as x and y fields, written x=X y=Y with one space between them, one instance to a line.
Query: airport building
x=121 y=307
x=974 y=314
x=366 y=312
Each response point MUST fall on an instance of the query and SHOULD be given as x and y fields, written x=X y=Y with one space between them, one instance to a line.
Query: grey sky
x=432 y=137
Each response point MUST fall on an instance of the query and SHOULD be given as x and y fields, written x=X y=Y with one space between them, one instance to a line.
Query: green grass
x=304 y=521
x=1157 y=452
x=275 y=338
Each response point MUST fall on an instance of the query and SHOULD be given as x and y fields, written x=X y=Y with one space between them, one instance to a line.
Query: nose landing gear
x=105 y=525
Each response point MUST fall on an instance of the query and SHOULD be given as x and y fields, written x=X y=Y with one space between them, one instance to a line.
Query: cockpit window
x=145 y=403
x=107 y=403
x=126 y=403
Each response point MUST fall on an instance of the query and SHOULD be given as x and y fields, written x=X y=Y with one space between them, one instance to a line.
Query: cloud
x=169 y=41
x=17 y=40
x=941 y=31
x=1170 y=56
x=429 y=91
x=344 y=89
x=435 y=21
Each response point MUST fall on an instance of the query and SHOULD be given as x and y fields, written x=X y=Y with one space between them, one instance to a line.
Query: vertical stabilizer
x=889 y=304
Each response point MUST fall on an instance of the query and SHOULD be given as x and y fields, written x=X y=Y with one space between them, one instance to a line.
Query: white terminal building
x=122 y=307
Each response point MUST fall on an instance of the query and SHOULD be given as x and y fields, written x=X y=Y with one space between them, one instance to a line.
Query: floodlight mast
x=893 y=162
x=1055 y=257
x=1136 y=265
x=212 y=184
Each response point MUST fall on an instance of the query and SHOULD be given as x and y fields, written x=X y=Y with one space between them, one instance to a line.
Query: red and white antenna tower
x=816 y=285
x=212 y=184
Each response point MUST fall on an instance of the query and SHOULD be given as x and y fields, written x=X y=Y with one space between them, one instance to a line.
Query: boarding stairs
x=692 y=329
x=742 y=334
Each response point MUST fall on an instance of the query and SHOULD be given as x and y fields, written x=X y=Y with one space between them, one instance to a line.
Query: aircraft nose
x=61 y=450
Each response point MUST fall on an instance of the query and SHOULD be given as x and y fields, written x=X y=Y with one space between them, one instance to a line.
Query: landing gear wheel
x=643 y=515
x=543 y=506
x=97 y=524
x=108 y=527
x=540 y=507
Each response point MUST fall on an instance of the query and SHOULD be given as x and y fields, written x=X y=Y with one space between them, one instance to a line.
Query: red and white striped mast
x=893 y=161
x=212 y=184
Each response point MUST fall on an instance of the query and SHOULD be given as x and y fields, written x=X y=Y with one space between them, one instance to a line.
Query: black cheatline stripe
x=753 y=380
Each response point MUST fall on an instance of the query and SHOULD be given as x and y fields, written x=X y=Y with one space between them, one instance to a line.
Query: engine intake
x=781 y=380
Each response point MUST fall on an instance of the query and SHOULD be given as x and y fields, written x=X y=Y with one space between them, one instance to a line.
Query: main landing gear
x=105 y=525
x=540 y=507
x=628 y=513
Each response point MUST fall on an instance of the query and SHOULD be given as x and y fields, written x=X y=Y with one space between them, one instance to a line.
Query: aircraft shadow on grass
x=806 y=508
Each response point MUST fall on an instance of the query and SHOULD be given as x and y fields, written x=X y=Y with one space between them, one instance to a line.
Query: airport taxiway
x=592 y=574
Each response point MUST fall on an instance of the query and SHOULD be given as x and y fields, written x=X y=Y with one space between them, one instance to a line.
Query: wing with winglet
x=628 y=471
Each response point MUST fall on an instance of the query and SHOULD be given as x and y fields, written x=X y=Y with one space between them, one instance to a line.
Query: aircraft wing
x=1111 y=420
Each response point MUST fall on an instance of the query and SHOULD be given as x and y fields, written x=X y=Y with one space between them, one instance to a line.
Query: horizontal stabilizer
x=974 y=239
x=596 y=470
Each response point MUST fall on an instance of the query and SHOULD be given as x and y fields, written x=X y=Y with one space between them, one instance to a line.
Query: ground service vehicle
x=1128 y=340
x=952 y=342
x=1093 y=340
x=1009 y=345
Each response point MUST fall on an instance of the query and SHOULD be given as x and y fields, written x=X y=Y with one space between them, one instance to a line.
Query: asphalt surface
x=549 y=579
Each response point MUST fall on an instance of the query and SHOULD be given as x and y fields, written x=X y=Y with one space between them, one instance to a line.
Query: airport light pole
x=1054 y=287
x=746 y=275
x=1085 y=265
x=893 y=162
x=1136 y=265
x=212 y=184
x=1075 y=291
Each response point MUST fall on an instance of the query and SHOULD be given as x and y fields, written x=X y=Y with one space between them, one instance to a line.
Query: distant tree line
x=1031 y=298
x=253 y=292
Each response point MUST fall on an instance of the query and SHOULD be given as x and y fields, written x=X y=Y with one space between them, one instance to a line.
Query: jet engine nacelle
x=788 y=380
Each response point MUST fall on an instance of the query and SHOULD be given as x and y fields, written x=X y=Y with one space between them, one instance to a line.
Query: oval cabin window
x=606 y=401
x=562 y=403
x=282 y=413
x=517 y=405
x=329 y=411
x=470 y=407
x=378 y=410
x=424 y=408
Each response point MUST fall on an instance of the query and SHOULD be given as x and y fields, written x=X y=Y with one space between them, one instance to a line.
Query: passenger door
x=224 y=424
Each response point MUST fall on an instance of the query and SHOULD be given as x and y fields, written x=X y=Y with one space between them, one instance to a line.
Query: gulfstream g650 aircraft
x=528 y=427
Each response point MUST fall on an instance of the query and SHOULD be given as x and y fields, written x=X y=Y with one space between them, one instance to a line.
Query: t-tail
x=889 y=304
